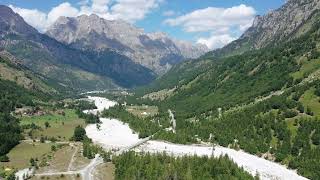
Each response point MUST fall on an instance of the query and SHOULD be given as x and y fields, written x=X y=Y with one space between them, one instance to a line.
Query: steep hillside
x=274 y=27
x=11 y=69
x=155 y=51
x=71 y=67
x=264 y=101
x=20 y=88
x=211 y=82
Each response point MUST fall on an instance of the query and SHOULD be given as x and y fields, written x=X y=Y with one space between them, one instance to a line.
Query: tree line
x=161 y=166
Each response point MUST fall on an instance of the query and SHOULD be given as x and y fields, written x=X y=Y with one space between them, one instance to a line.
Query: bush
x=53 y=148
x=300 y=108
x=4 y=158
x=290 y=113
x=79 y=133
x=309 y=112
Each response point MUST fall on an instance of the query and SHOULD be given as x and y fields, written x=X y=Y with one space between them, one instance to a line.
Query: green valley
x=95 y=98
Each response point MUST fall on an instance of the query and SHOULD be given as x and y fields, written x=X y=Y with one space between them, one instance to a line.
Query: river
x=116 y=135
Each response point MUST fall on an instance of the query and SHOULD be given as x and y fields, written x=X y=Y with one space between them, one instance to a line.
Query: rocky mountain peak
x=158 y=35
x=256 y=21
x=152 y=50
x=10 y=22
x=278 y=24
x=272 y=28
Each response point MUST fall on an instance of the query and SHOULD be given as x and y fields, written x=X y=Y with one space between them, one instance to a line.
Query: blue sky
x=194 y=20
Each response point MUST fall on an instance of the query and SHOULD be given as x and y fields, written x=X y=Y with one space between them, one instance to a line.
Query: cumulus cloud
x=221 y=23
x=128 y=10
x=34 y=17
x=64 y=9
x=133 y=10
x=216 y=41
x=211 y=18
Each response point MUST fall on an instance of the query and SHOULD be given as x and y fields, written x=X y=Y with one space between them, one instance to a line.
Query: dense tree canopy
x=79 y=133
x=161 y=166
x=11 y=96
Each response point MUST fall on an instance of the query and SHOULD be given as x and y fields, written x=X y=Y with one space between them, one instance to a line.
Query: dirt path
x=46 y=141
x=86 y=173
x=73 y=156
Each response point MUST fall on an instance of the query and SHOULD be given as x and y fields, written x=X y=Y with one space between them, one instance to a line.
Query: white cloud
x=128 y=10
x=100 y=6
x=221 y=23
x=83 y=2
x=64 y=9
x=168 y=13
x=211 y=18
x=133 y=10
x=34 y=17
x=216 y=41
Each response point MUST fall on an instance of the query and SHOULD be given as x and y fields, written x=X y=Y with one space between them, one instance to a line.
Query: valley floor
x=116 y=135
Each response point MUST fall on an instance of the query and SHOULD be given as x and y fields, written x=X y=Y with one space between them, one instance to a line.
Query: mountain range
x=90 y=58
x=246 y=59
x=155 y=51
x=260 y=93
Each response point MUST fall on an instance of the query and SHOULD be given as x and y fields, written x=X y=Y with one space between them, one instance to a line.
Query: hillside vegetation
x=207 y=84
x=11 y=96
x=162 y=166
x=268 y=99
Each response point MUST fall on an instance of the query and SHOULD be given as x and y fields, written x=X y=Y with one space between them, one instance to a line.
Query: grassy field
x=160 y=95
x=52 y=117
x=309 y=99
x=306 y=68
x=22 y=153
x=63 y=157
x=143 y=111
x=105 y=171
x=59 y=161
x=291 y=125
x=61 y=127
x=79 y=161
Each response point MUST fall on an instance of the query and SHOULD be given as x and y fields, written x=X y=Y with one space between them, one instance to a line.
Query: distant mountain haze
x=155 y=51
x=224 y=72
x=80 y=69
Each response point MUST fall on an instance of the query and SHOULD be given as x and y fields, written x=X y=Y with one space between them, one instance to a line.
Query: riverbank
x=114 y=134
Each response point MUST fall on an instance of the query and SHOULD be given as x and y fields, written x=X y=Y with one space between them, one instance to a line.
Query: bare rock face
x=273 y=28
x=80 y=69
x=11 y=22
x=155 y=51
x=281 y=23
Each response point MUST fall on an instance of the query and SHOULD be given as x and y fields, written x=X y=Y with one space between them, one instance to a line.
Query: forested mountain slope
x=210 y=83
x=264 y=101
x=19 y=88
x=11 y=69
x=29 y=90
x=74 y=68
